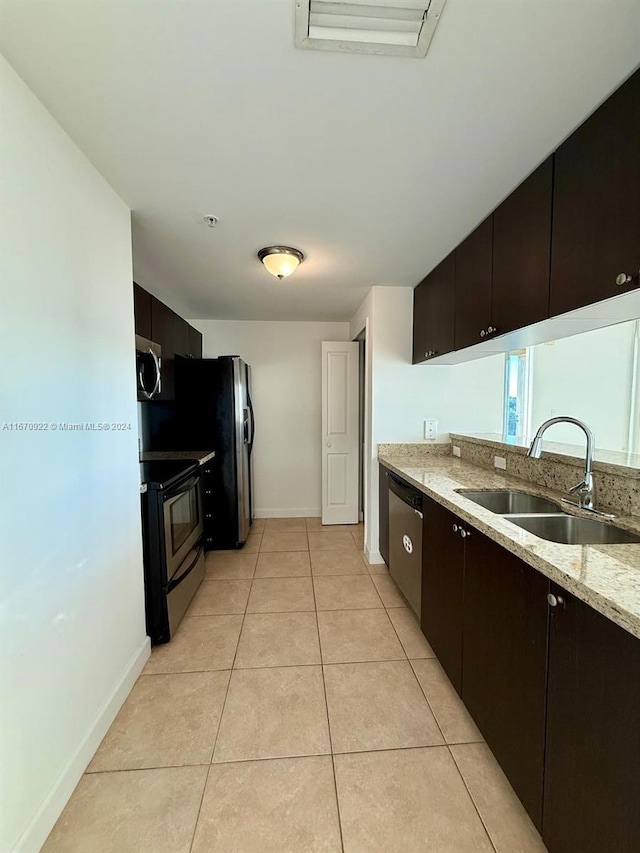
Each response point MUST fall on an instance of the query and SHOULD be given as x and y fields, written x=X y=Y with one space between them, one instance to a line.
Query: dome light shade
x=281 y=261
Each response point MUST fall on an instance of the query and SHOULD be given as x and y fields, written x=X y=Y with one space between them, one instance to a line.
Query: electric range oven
x=172 y=522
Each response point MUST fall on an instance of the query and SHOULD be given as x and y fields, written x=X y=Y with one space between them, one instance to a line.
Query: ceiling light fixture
x=281 y=261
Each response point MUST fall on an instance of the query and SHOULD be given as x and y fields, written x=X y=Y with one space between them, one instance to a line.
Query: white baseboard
x=43 y=821
x=374 y=557
x=278 y=512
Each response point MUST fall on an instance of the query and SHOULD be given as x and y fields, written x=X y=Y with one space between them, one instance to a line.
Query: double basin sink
x=545 y=519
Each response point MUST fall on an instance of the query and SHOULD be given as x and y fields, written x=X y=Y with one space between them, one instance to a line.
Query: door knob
x=554 y=600
x=623 y=278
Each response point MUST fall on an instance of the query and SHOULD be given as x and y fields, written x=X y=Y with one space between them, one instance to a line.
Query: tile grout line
x=224 y=704
x=279 y=757
x=326 y=706
x=471 y=797
x=448 y=747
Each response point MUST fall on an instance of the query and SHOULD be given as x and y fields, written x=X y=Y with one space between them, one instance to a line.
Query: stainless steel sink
x=508 y=502
x=570 y=530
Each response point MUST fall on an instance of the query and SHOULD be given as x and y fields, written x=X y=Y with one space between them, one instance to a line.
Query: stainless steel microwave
x=148 y=368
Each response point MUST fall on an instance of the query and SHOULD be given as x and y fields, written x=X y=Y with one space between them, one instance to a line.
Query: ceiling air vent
x=392 y=27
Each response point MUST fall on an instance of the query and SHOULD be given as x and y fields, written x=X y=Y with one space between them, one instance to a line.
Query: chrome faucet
x=584 y=489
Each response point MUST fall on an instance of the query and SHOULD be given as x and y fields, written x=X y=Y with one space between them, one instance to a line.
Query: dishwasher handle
x=405 y=492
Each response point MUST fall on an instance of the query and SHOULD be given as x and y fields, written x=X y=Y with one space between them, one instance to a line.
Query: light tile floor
x=298 y=708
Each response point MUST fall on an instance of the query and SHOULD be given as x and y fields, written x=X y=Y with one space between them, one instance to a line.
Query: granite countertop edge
x=606 y=577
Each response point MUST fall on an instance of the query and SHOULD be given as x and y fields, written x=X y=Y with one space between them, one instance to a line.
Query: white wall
x=466 y=397
x=285 y=359
x=588 y=376
x=72 y=614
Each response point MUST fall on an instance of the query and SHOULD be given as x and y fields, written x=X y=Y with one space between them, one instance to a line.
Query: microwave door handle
x=173 y=583
x=156 y=384
x=142 y=385
x=156 y=361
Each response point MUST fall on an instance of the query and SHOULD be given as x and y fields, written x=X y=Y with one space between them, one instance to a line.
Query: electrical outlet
x=430 y=430
x=456 y=450
x=500 y=462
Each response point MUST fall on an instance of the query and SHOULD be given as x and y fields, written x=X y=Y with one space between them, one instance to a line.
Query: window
x=517 y=409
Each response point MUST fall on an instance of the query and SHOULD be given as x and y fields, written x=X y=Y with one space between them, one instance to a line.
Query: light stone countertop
x=200 y=456
x=607 y=577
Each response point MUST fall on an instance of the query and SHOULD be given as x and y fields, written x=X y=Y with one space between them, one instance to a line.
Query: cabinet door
x=473 y=286
x=522 y=253
x=162 y=332
x=195 y=343
x=596 y=204
x=383 y=521
x=181 y=337
x=504 y=662
x=592 y=763
x=142 y=311
x=442 y=581
x=433 y=312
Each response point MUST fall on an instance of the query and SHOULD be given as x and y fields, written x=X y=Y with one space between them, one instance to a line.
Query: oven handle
x=181 y=489
x=173 y=583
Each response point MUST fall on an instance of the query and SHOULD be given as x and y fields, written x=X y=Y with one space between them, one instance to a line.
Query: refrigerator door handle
x=253 y=423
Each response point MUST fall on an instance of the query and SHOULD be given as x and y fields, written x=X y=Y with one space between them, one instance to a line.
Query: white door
x=340 y=432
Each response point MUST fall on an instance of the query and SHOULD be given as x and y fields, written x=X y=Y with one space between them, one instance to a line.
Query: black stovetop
x=163 y=473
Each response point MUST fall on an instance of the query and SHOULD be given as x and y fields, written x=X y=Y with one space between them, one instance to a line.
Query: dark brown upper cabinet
x=142 y=311
x=473 y=286
x=596 y=205
x=504 y=662
x=195 y=343
x=522 y=253
x=433 y=312
x=163 y=333
x=592 y=764
x=181 y=336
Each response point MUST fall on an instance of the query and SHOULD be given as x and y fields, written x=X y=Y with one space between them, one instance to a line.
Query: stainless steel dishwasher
x=405 y=540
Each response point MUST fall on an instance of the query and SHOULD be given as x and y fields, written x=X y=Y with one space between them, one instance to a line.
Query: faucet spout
x=584 y=490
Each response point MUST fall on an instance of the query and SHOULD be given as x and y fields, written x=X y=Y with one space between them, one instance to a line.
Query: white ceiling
x=376 y=167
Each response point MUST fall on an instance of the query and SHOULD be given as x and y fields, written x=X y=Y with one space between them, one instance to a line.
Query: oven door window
x=183 y=519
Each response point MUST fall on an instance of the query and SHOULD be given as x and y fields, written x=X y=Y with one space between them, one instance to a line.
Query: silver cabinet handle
x=555 y=600
x=623 y=278
x=328 y=444
x=490 y=330
x=464 y=533
x=455 y=528
x=482 y=333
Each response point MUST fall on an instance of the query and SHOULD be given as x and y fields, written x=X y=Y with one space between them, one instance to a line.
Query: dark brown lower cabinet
x=442 y=585
x=592 y=762
x=383 y=506
x=504 y=662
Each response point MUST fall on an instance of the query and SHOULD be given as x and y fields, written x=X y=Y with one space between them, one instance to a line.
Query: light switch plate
x=456 y=450
x=430 y=430
x=500 y=462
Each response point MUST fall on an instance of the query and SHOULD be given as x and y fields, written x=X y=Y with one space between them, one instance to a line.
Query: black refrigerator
x=213 y=401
